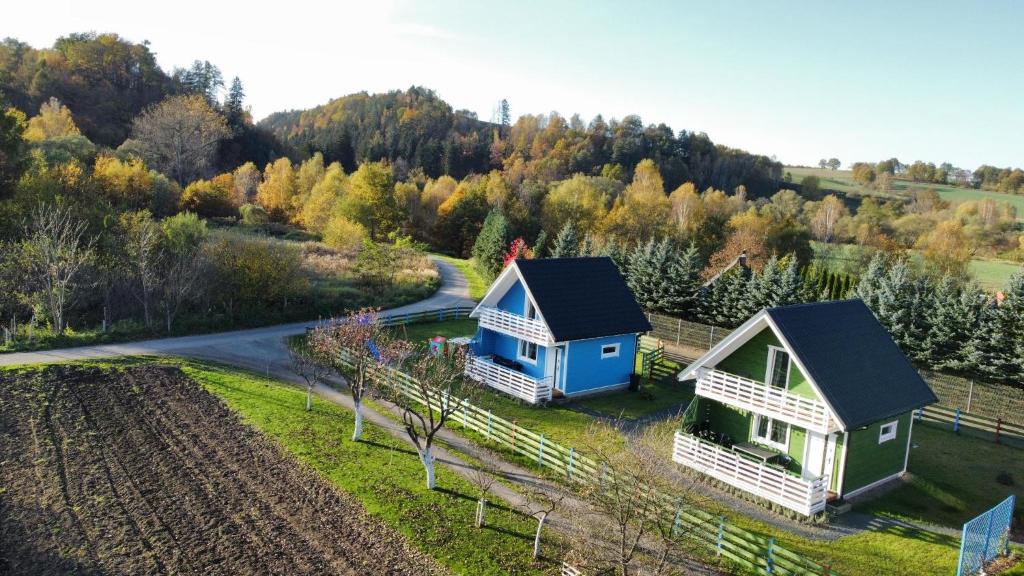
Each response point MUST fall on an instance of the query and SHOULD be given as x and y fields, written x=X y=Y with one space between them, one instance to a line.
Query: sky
x=935 y=81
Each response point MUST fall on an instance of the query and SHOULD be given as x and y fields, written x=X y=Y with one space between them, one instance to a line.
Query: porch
x=763 y=399
x=751 y=475
x=487 y=371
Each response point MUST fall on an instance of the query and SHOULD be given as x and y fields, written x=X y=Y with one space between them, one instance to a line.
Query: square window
x=528 y=351
x=887 y=432
x=609 y=351
x=771 y=432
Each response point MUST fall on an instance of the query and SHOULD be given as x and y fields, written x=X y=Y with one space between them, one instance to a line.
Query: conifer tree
x=683 y=282
x=996 y=349
x=489 y=248
x=952 y=319
x=900 y=308
x=567 y=243
x=540 y=244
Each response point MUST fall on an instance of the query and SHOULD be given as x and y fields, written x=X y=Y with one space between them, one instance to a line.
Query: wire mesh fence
x=984 y=538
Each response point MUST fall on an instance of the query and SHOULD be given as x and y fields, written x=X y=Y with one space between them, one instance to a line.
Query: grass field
x=477 y=283
x=842 y=181
x=955 y=478
x=992 y=274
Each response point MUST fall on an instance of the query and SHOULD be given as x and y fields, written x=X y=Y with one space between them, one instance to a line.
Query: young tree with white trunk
x=440 y=389
x=484 y=476
x=355 y=347
x=310 y=368
x=541 y=504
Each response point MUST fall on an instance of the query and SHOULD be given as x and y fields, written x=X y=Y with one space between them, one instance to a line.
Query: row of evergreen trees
x=941 y=324
x=944 y=325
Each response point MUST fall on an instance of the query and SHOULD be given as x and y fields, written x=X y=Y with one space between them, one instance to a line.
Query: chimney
x=743 y=259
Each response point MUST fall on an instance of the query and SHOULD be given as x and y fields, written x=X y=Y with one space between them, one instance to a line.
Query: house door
x=559 y=379
x=830 y=456
x=814 y=455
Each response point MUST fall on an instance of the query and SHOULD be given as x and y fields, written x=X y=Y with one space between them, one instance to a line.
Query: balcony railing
x=765 y=400
x=515 y=325
x=807 y=497
x=512 y=382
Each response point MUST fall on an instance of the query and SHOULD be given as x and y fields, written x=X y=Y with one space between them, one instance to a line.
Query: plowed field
x=141 y=471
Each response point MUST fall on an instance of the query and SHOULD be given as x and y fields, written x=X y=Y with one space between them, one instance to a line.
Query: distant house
x=556 y=327
x=801 y=405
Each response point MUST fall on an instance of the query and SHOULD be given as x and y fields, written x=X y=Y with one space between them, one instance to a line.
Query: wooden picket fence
x=757 y=553
x=997 y=427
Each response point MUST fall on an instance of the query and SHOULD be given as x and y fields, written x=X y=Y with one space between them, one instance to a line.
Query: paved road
x=257 y=348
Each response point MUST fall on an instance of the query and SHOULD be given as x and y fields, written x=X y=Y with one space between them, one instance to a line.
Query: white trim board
x=500 y=286
x=874 y=484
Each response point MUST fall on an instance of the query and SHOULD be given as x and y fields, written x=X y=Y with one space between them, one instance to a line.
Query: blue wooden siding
x=588 y=371
x=514 y=300
x=489 y=342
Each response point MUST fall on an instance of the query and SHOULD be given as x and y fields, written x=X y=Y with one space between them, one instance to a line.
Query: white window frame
x=522 y=347
x=772 y=350
x=884 y=436
x=613 y=354
x=784 y=447
x=528 y=307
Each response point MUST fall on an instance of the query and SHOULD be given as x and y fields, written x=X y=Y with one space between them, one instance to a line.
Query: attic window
x=887 y=432
x=531 y=312
x=778 y=368
x=610 y=351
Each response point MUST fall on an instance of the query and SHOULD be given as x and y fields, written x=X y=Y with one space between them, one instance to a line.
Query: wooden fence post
x=488 y=424
x=769 y=559
x=514 y=428
x=568 y=467
x=679 y=330
x=999 y=429
x=675 y=521
x=540 y=452
x=970 y=394
x=956 y=422
x=721 y=534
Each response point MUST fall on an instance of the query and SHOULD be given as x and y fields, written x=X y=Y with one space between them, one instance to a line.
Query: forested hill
x=416 y=129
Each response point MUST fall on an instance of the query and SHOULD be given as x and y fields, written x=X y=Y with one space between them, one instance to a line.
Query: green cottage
x=802 y=405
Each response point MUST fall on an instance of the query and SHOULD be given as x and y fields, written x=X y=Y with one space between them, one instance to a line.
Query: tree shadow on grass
x=389 y=448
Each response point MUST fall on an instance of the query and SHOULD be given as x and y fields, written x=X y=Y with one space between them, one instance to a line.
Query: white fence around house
x=758 y=553
x=807 y=497
x=507 y=380
x=515 y=325
x=764 y=399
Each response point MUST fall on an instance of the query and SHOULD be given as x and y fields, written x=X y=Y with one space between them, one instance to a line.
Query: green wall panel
x=868 y=461
x=751 y=361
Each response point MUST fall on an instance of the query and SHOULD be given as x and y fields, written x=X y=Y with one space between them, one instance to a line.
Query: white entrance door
x=830 y=456
x=814 y=454
x=557 y=372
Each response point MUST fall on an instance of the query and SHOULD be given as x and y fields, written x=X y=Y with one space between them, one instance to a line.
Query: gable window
x=610 y=351
x=528 y=351
x=530 y=311
x=887 y=432
x=778 y=368
x=771 y=432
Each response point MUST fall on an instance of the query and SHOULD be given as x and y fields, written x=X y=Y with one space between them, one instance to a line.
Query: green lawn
x=842 y=181
x=477 y=283
x=419 y=333
x=992 y=274
x=654 y=396
x=382 y=472
x=954 y=479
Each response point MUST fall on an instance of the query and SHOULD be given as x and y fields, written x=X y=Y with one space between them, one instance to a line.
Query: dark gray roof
x=582 y=298
x=850 y=356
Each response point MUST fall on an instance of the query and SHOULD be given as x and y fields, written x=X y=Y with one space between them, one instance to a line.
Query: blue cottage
x=556 y=327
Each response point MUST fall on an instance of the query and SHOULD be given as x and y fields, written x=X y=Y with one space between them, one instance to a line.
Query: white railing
x=533 y=390
x=765 y=400
x=807 y=497
x=515 y=325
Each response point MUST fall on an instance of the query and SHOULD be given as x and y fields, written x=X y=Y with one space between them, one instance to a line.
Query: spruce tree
x=540 y=244
x=489 y=248
x=952 y=316
x=790 y=284
x=901 y=300
x=567 y=243
x=683 y=282
x=996 y=349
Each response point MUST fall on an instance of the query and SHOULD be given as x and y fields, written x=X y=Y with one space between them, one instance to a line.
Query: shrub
x=344 y=234
x=254 y=215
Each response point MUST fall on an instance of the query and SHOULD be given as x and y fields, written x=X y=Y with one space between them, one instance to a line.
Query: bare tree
x=179 y=136
x=309 y=368
x=631 y=523
x=354 y=347
x=56 y=250
x=483 y=477
x=437 y=390
x=540 y=504
x=142 y=246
